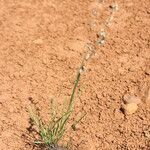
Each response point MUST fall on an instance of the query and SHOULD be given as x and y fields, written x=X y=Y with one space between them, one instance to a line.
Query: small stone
x=131 y=99
x=148 y=96
x=129 y=108
x=114 y=7
x=147 y=134
x=38 y=41
x=147 y=70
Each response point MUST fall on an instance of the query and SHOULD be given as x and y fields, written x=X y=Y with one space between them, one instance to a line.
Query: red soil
x=41 y=47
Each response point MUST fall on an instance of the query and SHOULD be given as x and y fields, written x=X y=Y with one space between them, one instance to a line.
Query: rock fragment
x=129 y=108
x=130 y=104
x=38 y=41
x=147 y=70
x=131 y=99
x=148 y=96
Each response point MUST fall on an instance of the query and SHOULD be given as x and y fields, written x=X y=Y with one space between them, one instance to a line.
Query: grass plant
x=50 y=133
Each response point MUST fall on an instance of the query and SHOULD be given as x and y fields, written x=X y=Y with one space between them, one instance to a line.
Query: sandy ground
x=41 y=47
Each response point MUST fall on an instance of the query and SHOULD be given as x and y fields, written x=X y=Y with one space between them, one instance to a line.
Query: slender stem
x=70 y=108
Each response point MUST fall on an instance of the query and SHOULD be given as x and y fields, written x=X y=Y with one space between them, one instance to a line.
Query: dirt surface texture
x=42 y=43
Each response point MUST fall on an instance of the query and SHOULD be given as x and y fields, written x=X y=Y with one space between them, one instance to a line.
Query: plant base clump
x=53 y=147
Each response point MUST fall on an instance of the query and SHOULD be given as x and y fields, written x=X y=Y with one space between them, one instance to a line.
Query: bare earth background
x=41 y=47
